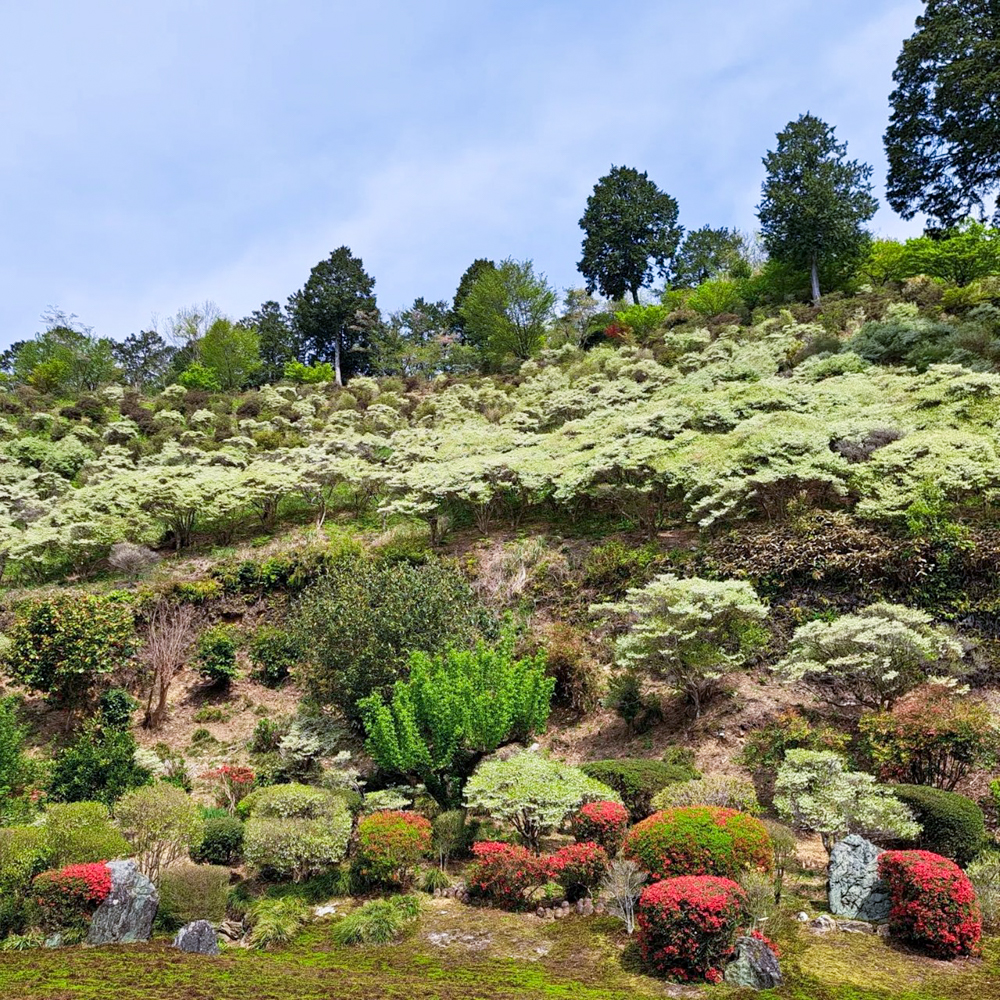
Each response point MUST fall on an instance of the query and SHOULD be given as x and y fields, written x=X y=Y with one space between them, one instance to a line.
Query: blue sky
x=154 y=155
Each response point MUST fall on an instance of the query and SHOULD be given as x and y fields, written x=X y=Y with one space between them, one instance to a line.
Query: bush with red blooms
x=68 y=897
x=934 y=905
x=505 y=874
x=688 y=925
x=604 y=823
x=699 y=840
x=579 y=868
x=390 y=844
x=233 y=783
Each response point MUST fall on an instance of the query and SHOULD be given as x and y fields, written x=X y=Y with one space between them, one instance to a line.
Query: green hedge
x=952 y=824
x=638 y=780
x=193 y=892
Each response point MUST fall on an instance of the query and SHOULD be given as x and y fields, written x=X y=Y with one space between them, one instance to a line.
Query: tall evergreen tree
x=472 y=274
x=943 y=139
x=144 y=359
x=334 y=314
x=278 y=343
x=630 y=229
x=815 y=202
x=706 y=253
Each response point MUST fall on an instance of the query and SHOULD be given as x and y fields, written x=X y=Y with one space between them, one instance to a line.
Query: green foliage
x=378 y=921
x=116 y=707
x=217 y=655
x=721 y=790
x=61 y=646
x=452 y=710
x=691 y=632
x=815 y=791
x=221 y=841
x=363 y=619
x=871 y=657
x=232 y=352
x=81 y=833
x=448 y=834
x=766 y=746
x=273 y=653
x=707 y=253
x=715 y=297
x=161 y=823
x=784 y=848
x=638 y=780
x=199 y=378
x=630 y=228
x=640 y=712
x=952 y=825
x=389 y=845
x=15 y=767
x=531 y=792
x=276 y=921
x=24 y=852
x=192 y=892
x=98 y=766
x=984 y=874
x=295 y=371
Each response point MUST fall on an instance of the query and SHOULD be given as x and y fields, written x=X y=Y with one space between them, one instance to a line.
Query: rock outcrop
x=856 y=891
x=126 y=915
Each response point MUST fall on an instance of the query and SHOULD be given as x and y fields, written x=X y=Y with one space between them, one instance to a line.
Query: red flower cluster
x=578 y=868
x=699 y=840
x=233 y=784
x=390 y=844
x=687 y=925
x=934 y=905
x=504 y=874
x=604 y=823
x=69 y=896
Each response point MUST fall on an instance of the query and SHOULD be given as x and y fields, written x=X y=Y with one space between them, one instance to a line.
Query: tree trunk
x=814 y=276
x=336 y=356
x=635 y=295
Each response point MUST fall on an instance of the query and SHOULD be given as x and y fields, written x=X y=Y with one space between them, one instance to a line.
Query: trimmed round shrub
x=688 y=925
x=296 y=848
x=953 y=825
x=604 y=823
x=193 y=892
x=291 y=801
x=934 y=905
x=390 y=845
x=715 y=790
x=80 y=833
x=68 y=897
x=699 y=840
x=24 y=853
x=637 y=781
x=221 y=843
x=504 y=874
x=579 y=868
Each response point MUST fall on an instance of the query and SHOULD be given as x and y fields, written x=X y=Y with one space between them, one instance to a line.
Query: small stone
x=231 y=929
x=198 y=937
x=540 y=912
x=755 y=965
x=823 y=924
x=882 y=930
x=558 y=913
x=856 y=926
x=802 y=917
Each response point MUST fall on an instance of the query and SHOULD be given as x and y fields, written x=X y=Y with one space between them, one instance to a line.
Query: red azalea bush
x=68 y=897
x=688 y=925
x=934 y=905
x=505 y=874
x=390 y=844
x=604 y=823
x=579 y=868
x=233 y=783
x=699 y=840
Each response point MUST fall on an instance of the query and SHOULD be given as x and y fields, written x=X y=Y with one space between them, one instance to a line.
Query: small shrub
x=115 y=708
x=699 y=840
x=621 y=888
x=276 y=921
x=784 y=849
x=24 y=852
x=952 y=825
x=933 y=903
x=232 y=784
x=688 y=925
x=603 y=823
x=389 y=847
x=81 y=833
x=625 y=697
x=637 y=781
x=720 y=790
x=378 y=921
x=221 y=842
x=504 y=874
x=193 y=892
x=984 y=874
x=291 y=801
x=217 y=655
x=266 y=736
x=131 y=559
x=448 y=834
x=579 y=868
x=68 y=897
x=273 y=653
x=160 y=822
x=98 y=766
x=435 y=878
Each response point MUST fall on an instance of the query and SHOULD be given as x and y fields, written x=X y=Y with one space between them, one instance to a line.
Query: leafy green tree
x=231 y=351
x=471 y=275
x=815 y=791
x=99 y=765
x=943 y=138
x=815 y=202
x=963 y=254
x=507 y=309
x=144 y=359
x=706 y=253
x=161 y=822
x=630 y=228
x=531 y=793
x=691 y=632
x=415 y=341
x=278 y=343
x=452 y=710
x=65 y=357
x=334 y=313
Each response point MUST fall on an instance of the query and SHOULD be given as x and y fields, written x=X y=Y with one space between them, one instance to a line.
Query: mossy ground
x=460 y=953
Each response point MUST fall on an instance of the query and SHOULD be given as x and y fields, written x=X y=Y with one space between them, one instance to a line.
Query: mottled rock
x=856 y=891
x=823 y=924
x=856 y=926
x=232 y=929
x=126 y=915
x=755 y=965
x=198 y=937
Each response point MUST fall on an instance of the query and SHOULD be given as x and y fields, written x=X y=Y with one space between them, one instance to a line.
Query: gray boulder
x=126 y=915
x=755 y=965
x=199 y=937
x=856 y=891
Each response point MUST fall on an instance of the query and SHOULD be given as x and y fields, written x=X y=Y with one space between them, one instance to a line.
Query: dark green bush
x=116 y=707
x=637 y=781
x=273 y=653
x=953 y=825
x=15 y=767
x=98 y=766
x=221 y=842
x=217 y=655
x=192 y=892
